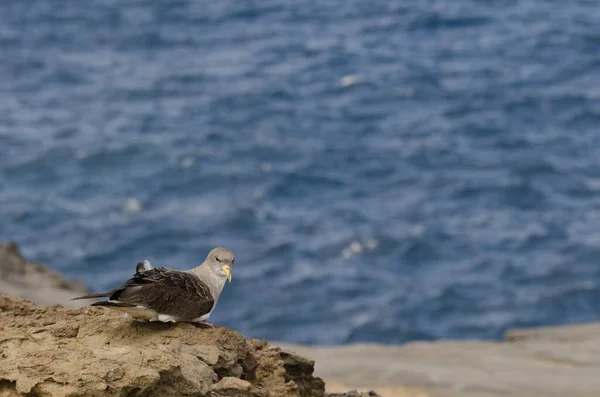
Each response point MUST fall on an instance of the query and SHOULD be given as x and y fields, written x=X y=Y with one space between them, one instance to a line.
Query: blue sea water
x=384 y=171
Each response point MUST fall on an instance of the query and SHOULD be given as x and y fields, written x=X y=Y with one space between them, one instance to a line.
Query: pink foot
x=204 y=324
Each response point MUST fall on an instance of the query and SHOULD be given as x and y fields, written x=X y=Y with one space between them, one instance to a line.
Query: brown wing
x=167 y=291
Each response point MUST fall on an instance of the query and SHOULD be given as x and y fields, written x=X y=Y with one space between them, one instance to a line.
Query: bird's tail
x=113 y=304
x=97 y=295
x=135 y=311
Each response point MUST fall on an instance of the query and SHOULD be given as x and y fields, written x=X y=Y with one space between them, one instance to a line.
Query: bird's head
x=221 y=261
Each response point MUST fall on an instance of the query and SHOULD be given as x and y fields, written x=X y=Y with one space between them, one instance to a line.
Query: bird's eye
x=217 y=259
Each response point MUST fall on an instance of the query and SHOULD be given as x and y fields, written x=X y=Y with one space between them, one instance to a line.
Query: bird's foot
x=204 y=324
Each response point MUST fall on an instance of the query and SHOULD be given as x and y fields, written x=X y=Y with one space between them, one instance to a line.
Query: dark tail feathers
x=113 y=304
x=98 y=295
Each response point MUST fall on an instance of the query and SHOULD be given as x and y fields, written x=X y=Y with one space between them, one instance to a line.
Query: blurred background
x=384 y=171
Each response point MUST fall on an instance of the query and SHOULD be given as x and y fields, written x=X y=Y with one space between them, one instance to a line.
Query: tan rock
x=59 y=352
x=354 y=393
x=231 y=387
x=541 y=362
x=35 y=281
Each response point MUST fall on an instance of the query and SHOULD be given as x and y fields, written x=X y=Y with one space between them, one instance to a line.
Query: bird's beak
x=227 y=270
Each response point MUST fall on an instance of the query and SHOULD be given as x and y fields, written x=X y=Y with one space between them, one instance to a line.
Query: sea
x=384 y=171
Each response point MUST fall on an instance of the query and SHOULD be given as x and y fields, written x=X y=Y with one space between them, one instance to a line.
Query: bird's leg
x=203 y=324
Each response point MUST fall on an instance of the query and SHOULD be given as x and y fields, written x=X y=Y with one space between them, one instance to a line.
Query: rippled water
x=428 y=169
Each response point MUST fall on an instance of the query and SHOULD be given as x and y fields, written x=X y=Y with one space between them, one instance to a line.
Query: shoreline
x=545 y=361
x=34 y=281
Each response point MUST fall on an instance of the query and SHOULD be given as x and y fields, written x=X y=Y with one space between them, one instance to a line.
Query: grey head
x=220 y=261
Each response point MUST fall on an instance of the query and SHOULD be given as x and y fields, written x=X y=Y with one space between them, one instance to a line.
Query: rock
x=35 y=281
x=547 y=361
x=300 y=371
x=232 y=387
x=354 y=393
x=270 y=372
x=558 y=334
x=60 y=352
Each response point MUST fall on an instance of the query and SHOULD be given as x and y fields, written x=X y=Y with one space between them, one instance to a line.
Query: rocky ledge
x=60 y=352
x=54 y=351
x=36 y=281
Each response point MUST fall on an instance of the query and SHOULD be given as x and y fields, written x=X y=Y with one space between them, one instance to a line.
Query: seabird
x=143 y=266
x=168 y=295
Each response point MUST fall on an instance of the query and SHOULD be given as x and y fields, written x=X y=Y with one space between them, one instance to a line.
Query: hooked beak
x=227 y=270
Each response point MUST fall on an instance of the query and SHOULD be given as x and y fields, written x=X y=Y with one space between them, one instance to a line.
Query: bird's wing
x=167 y=291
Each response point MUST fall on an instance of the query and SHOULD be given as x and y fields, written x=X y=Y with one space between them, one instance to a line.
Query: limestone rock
x=60 y=352
x=546 y=362
x=354 y=393
x=232 y=387
x=35 y=281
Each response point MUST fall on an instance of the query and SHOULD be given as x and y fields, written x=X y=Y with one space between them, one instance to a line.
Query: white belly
x=143 y=313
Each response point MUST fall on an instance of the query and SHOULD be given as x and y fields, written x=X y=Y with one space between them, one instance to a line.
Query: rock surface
x=541 y=362
x=35 y=281
x=60 y=352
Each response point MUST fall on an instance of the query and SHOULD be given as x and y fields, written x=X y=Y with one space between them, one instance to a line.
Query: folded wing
x=167 y=291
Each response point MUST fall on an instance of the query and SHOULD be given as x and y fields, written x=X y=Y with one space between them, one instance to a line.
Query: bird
x=142 y=266
x=168 y=295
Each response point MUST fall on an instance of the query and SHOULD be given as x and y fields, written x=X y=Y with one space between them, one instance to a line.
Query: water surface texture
x=384 y=171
